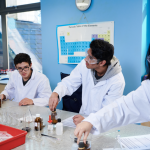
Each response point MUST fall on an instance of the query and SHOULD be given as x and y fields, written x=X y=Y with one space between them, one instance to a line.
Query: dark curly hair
x=147 y=64
x=22 y=57
x=102 y=50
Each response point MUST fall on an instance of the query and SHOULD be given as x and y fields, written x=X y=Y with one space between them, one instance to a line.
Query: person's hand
x=83 y=127
x=77 y=119
x=26 y=101
x=53 y=101
x=3 y=96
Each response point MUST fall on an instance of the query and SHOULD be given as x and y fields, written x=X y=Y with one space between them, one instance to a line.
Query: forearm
x=6 y=94
x=61 y=90
x=126 y=110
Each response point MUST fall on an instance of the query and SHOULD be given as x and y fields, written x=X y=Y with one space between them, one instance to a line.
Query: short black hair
x=102 y=50
x=147 y=64
x=22 y=57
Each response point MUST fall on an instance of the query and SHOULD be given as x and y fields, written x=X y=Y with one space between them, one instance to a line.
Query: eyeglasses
x=90 y=59
x=21 y=69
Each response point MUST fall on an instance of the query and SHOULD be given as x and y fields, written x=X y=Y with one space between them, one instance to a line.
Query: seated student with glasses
x=26 y=85
x=101 y=78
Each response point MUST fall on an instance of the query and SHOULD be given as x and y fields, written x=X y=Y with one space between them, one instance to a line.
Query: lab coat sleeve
x=71 y=83
x=9 y=88
x=135 y=107
x=43 y=93
x=115 y=92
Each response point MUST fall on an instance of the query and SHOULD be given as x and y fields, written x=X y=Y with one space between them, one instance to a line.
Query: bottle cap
x=59 y=120
x=54 y=110
x=75 y=140
x=49 y=121
x=81 y=145
x=37 y=115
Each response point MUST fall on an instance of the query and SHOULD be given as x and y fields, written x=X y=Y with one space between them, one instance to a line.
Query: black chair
x=72 y=103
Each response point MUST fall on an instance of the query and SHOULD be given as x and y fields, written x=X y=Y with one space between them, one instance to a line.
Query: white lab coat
x=37 y=88
x=94 y=97
x=135 y=107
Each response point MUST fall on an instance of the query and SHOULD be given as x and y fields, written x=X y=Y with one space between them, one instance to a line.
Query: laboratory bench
x=104 y=140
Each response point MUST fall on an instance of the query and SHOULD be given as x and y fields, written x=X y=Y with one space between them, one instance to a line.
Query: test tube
x=24 y=122
x=4 y=117
x=38 y=132
x=118 y=145
x=32 y=131
x=18 y=120
x=8 y=118
x=13 y=117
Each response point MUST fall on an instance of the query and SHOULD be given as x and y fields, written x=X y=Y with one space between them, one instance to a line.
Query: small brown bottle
x=54 y=116
x=87 y=146
x=81 y=146
x=37 y=121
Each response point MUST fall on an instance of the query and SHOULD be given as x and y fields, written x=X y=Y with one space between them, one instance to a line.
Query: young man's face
x=91 y=61
x=24 y=69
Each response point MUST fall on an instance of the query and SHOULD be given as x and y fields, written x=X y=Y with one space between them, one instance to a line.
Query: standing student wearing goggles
x=133 y=108
x=101 y=78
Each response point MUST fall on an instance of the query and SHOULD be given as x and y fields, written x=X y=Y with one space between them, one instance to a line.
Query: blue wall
x=145 y=33
x=127 y=15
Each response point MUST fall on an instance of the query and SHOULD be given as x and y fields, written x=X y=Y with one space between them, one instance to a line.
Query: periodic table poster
x=74 y=39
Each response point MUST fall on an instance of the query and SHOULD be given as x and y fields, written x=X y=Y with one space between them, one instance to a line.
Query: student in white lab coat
x=101 y=78
x=26 y=85
x=135 y=107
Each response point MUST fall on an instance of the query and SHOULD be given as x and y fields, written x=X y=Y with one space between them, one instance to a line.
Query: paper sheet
x=69 y=122
x=136 y=142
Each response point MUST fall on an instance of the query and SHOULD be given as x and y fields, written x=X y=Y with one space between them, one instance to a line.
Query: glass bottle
x=50 y=125
x=87 y=146
x=54 y=116
x=37 y=120
x=59 y=127
x=81 y=146
x=74 y=145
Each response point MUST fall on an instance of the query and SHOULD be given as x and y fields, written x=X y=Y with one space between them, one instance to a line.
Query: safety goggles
x=148 y=58
x=90 y=59
x=21 y=69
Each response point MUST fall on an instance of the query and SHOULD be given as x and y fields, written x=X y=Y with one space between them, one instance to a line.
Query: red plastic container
x=18 y=138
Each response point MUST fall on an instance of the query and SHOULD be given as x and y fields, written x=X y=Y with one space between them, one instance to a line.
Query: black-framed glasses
x=21 y=69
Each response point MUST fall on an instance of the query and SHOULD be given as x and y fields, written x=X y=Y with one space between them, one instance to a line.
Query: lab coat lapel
x=32 y=77
x=100 y=83
x=20 y=81
x=91 y=79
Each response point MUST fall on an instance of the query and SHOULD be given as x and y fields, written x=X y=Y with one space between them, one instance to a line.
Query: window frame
x=10 y=10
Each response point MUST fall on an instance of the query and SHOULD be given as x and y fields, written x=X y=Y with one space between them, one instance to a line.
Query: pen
x=48 y=136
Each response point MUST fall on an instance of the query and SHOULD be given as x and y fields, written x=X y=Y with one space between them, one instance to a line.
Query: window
x=11 y=3
x=21 y=28
x=1 y=50
x=24 y=36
